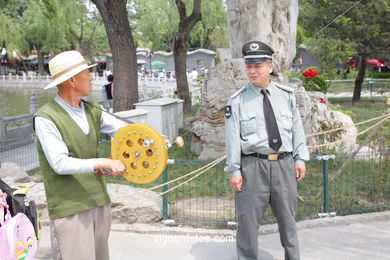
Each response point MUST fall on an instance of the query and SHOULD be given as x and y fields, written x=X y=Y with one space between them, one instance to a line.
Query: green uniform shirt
x=245 y=129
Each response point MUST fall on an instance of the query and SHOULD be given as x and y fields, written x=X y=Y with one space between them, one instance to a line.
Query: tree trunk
x=180 y=47
x=360 y=78
x=120 y=37
x=272 y=22
x=180 y=59
x=40 y=58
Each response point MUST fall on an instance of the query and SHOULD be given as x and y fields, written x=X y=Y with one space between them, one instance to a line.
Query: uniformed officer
x=266 y=150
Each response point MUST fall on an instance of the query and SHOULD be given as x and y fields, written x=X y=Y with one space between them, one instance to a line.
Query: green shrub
x=378 y=75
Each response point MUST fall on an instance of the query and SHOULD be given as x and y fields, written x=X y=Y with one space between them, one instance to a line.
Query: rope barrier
x=174 y=180
x=363 y=132
x=344 y=127
x=206 y=168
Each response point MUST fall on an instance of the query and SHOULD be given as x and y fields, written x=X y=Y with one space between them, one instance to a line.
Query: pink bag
x=17 y=236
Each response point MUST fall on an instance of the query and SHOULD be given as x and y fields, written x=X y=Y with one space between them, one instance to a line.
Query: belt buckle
x=273 y=156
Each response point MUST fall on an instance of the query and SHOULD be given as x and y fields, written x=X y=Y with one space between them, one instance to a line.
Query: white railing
x=148 y=87
x=143 y=81
x=25 y=78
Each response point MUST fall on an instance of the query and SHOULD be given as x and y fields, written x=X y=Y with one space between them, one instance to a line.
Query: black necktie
x=274 y=139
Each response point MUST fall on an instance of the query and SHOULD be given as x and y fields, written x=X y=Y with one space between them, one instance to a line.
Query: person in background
x=266 y=150
x=194 y=76
x=109 y=87
x=68 y=130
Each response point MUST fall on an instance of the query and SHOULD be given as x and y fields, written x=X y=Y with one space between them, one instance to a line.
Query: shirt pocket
x=287 y=119
x=248 y=124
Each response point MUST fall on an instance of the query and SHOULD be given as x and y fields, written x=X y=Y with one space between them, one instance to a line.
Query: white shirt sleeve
x=56 y=151
x=110 y=124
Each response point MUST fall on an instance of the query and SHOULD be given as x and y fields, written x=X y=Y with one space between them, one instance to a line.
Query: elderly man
x=266 y=150
x=68 y=130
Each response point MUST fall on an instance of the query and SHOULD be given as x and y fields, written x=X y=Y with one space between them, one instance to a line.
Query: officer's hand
x=236 y=183
x=116 y=167
x=300 y=171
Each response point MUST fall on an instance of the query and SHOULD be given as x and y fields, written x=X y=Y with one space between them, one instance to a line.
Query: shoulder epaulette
x=283 y=87
x=238 y=92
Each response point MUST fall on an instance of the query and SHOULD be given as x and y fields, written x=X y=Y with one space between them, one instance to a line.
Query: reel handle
x=103 y=172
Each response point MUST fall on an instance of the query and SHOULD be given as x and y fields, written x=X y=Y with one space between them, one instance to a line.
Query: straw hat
x=65 y=65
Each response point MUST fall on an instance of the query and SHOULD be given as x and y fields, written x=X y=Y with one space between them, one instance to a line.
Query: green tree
x=180 y=47
x=83 y=25
x=211 y=31
x=157 y=24
x=11 y=32
x=364 y=26
x=43 y=31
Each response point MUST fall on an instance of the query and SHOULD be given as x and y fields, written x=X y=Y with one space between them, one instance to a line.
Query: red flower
x=322 y=101
x=310 y=74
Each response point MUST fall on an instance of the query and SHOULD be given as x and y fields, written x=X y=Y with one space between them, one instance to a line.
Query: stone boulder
x=318 y=117
x=136 y=208
x=10 y=169
x=207 y=208
x=225 y=79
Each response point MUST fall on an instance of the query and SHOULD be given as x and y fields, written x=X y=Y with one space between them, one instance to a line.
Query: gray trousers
x=83 y=236
x=266 y=182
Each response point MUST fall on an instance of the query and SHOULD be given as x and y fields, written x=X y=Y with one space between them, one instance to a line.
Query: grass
x=364 y=110
x=348 y=86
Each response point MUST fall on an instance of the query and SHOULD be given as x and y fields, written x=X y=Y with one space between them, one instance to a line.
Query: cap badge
x=254 y=46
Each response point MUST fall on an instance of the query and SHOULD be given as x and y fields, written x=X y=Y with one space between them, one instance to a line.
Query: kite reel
x=143 y=151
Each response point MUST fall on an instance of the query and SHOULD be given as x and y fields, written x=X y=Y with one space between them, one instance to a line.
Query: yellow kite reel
x=143 y=151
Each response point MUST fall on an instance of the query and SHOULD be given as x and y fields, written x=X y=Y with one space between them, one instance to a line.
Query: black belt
x=270 y=157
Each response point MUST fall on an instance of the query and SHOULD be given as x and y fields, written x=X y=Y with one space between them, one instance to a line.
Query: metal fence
x=371 y=88
x=362 y=186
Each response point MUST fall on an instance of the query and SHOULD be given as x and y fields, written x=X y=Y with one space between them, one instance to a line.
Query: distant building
x=198 y=59
x=304 y=59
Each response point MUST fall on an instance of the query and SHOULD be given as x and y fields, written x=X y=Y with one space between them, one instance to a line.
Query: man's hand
x=236 y=183
x=115 y=166
x=300 y=171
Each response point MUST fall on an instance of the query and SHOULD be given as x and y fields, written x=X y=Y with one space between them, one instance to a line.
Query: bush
x=378 y=75
x=312 y=81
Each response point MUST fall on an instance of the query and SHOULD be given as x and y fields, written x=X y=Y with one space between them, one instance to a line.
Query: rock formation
x=273 y=22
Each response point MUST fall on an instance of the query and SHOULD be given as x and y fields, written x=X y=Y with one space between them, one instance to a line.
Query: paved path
x=364 y=94
x=357 y=237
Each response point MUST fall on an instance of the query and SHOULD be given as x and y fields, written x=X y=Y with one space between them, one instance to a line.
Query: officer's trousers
x=266 y=182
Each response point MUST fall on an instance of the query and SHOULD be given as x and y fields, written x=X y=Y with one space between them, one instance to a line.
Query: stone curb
x=159 y=228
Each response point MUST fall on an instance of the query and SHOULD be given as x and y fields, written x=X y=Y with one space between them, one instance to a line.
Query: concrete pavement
x=358 y=237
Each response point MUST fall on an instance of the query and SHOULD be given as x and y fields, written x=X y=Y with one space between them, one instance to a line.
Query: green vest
x=71 y=194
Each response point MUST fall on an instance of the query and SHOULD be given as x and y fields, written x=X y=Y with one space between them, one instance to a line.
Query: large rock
x=208 y=125
x=10 y=169
x=273 y=22
x=226 y=78
x=126 y=208
x=320 y=118
x=207 y=208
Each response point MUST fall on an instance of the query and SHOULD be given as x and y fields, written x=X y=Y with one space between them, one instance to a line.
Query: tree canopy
x=338 y=30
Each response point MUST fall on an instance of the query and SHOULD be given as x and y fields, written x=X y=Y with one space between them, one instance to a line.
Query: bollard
x=165 y=196
x=325 y=157
x=165 y=188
